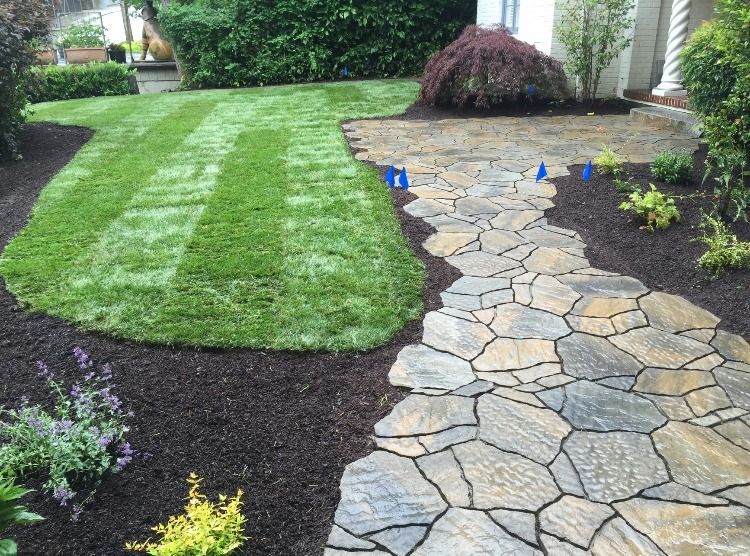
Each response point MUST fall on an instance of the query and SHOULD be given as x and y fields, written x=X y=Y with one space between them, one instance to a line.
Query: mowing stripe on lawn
x=139 y=253
x=78 y=206
x=237 y=219
x=228 y=286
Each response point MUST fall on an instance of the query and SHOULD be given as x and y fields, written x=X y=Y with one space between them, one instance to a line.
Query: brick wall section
x=646 y=96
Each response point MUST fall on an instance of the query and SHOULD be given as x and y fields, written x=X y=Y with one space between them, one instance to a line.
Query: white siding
x=489 y=12
x=637 y=61
x=535 y=21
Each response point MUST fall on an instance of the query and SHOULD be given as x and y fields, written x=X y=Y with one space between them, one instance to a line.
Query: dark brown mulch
x=664 y=260
x=422 y=111
x=279 y=425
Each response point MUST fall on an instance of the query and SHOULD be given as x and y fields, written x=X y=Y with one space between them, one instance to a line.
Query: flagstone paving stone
x=591 y=406
x=546 y=395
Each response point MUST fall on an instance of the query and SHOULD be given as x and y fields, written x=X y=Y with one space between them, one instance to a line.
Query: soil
x=279 y=425
x=423 y=111
x=664 y=260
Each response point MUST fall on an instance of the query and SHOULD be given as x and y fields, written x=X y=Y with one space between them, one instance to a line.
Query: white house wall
x=488 y=13
x=535 y=23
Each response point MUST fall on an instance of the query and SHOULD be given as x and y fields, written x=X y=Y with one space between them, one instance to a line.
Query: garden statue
x=153 y=41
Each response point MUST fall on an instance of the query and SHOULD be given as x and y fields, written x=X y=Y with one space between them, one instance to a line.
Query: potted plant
x=83 y=43
x=45 y=54
x=116 y=53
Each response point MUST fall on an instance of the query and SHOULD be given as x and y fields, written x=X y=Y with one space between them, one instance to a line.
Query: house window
x=509 y=9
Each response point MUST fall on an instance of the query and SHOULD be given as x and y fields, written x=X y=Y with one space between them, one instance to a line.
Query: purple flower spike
x=62 y=495
x=84 y=361
x=44 y=371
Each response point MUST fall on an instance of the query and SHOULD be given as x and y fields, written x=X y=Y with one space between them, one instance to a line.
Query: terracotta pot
x=47 y=57
x=85 y=55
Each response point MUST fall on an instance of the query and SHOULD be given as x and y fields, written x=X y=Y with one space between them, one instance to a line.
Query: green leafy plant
x=654 y=207
x=608 y=163
x=12 y=513
x=716 y=68
x=94 y=79
x=82 y=35
x=673 y=166
x=724 y=249
x=232 y=43
x=625 y=187
x=205 y=529
x=76 y=443
x=21 y=21
x=593 y=33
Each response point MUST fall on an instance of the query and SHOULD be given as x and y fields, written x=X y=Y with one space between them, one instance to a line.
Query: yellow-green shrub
x=608 y=163
x=205 y=529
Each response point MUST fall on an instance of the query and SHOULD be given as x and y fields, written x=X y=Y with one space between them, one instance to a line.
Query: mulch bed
x=664 y=260
x=422 y=111
x=280 y=425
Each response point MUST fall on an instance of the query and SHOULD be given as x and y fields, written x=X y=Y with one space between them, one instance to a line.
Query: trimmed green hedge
x=78 y=81
x=231 y=43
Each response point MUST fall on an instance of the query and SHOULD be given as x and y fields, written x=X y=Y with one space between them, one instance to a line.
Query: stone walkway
x=555 y=408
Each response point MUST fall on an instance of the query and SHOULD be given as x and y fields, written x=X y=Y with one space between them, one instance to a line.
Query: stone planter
x=85 y=55
x=46 y=57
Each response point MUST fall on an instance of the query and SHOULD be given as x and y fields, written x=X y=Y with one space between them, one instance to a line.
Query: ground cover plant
x=232 y=43
x=724 y=250
x=13 y=513
x=608 y=163
x=673 y=166
x=487 y=67
x=75 y=444
x=240 y=220
x=204 y=529
x=653 y=207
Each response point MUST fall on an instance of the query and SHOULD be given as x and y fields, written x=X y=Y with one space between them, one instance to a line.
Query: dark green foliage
x=248 y=42
x=20 y=22
x=12 y=513
x=78 y=81
x=707 y=70
x=716 y=66
x=486 y=67
x=673 y=167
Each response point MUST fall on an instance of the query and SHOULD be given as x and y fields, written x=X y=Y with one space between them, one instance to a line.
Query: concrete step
x=678 y=120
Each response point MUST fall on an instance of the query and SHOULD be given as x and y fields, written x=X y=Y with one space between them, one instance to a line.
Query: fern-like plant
x=724 y=249
x=673 y=167
x=654 y=207
x=608 y=163
x=205 y=529
x=12 y=513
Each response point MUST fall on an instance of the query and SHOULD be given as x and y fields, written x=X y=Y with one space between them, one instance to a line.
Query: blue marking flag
x=390 y=177
x=403 y=180
x=530 y=90
x=346 y=71
x=587 y=172
x=542 y=173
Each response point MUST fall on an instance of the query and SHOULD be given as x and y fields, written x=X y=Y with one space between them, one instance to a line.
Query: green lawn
x=222 y=218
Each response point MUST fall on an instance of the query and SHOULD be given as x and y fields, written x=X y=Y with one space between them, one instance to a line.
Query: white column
x=671 y=79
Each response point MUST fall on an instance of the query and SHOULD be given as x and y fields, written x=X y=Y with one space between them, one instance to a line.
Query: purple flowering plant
x=75 y=444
